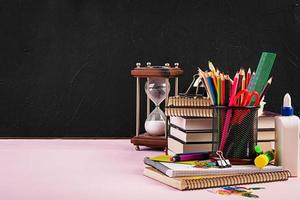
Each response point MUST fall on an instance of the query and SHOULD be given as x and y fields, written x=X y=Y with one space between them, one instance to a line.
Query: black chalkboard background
x=65 y=64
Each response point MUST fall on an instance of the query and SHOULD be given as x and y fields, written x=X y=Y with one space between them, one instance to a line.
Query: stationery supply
x=212 y=145
x=168 y=158
x=287 y=132
x=177 y=170
x=241 y=137
x=222 y=162
x=188 y=112
x=190 y=156
x=235 y=122
x=202 y=182
x=187 y=101
x=258 y=82
x=263 y=159
x=237 y=190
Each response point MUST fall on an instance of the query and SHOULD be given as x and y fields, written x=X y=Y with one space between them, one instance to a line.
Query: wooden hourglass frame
x=148 y=72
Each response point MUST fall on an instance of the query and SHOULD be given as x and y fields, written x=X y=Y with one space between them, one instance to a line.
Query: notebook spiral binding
x=192 y=184
x=185 y=106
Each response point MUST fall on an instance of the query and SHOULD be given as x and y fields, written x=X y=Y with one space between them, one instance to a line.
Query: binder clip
x=222 y=162
x=196 y=88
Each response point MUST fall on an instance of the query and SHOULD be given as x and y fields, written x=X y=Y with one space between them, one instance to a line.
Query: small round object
x=167 y=64
x=138 y=64
x=261 y=161
x=148 y=64
x=176 y=65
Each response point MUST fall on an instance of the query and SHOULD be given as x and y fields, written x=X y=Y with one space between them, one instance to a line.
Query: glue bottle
x=287 y=128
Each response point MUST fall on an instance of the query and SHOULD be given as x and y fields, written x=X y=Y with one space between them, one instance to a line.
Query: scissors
x=246 y=98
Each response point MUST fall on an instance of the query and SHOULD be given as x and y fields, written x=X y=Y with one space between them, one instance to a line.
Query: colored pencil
x=243 y=86
x=212 y=89
x=204 y=79
x=223 y=90
x=219 y=90
x=234 y=89
x=229 y=113
x=227 y=89
x=248 y=78
x=267 y=86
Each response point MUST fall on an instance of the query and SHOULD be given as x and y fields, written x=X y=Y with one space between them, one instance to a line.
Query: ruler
x=258 y=82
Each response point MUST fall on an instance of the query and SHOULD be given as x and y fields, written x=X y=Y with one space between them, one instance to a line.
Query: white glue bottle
x=287 y=128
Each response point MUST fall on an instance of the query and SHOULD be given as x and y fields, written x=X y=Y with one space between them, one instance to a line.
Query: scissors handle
x=238 y=96
x=247 y=98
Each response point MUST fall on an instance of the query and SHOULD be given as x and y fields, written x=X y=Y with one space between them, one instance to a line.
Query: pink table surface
x=95 y=170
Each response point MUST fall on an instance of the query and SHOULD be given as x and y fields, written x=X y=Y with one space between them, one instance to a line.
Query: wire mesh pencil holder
x=235 y=131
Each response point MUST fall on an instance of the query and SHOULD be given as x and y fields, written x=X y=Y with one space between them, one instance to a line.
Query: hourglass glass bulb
x=156 y=122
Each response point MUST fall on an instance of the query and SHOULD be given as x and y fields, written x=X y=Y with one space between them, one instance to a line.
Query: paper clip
x=222 y=162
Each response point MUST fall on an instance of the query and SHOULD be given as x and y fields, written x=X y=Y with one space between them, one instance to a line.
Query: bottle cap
x=258 y=149
x=261 y=161
x=287 y=109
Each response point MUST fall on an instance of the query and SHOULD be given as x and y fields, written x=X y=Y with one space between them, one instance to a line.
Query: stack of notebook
x=187 y=176
x=194 y=134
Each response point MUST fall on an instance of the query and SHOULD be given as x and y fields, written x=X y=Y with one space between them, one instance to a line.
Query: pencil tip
x=270 y=80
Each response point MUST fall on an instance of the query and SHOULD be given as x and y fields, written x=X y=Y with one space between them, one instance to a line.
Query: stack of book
x=188 y=134
x=189 y=176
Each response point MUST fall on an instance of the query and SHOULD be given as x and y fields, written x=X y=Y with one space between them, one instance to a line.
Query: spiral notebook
x=186 y=106
x=177 y=170
x=202 y=182
x=188 y=112
x=184 y=101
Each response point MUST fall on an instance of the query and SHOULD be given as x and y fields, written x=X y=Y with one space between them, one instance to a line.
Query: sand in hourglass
x=155 y=127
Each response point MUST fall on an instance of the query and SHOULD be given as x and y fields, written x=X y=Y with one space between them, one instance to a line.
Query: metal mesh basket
x=235 y=131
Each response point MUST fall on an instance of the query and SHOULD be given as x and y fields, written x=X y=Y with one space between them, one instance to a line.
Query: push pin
x=222 y=162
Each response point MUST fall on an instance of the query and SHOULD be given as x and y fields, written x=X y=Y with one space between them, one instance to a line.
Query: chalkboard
x=65 y=65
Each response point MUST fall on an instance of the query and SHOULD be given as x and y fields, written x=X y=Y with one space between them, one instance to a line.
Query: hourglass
x=157 y=88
